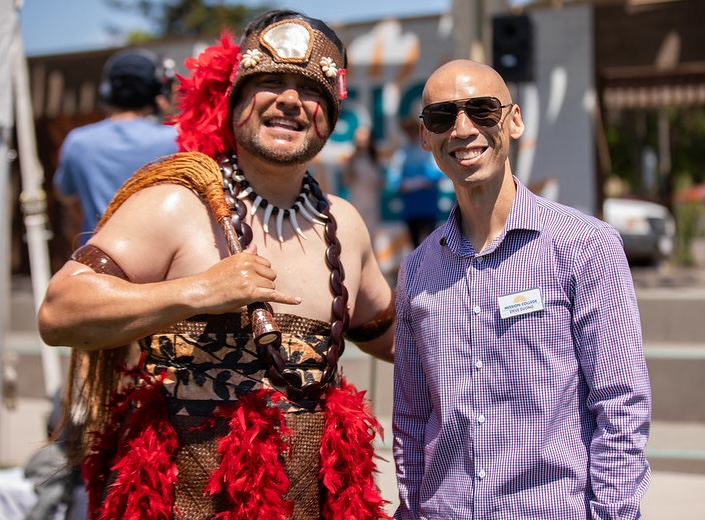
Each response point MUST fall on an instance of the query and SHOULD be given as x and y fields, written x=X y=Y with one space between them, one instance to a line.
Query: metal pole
x=5 y=230
x=6 y=122
x=33 y=200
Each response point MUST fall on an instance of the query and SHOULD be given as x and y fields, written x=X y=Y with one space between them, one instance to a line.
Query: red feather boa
x=251 y=474
x=143 y=446
x=347 y=457
x=203 y=120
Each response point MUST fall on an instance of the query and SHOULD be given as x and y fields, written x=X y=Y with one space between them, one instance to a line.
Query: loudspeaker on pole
x=512 y=47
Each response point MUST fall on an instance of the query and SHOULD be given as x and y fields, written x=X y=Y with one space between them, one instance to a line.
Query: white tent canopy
x=16 y=112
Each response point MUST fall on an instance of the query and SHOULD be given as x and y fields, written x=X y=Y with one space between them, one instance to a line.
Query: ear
x=423 y=138
x=164 y=106
x=516 y=123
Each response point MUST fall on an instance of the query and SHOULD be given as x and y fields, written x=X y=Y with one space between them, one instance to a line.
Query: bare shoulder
x=153 y=209
x=154 y=228
x=350 y=222
x=352 y=231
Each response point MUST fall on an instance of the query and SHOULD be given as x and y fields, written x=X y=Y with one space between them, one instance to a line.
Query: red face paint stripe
x=249 y=115
x=315 y=123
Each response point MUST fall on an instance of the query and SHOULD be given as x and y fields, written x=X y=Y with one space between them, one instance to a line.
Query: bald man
x=520 y=385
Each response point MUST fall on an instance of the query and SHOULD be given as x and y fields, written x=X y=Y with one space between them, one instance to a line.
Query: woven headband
x=300 y=46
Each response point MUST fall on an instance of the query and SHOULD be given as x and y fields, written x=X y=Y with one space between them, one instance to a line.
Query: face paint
x=315 y=122
x=249 y=114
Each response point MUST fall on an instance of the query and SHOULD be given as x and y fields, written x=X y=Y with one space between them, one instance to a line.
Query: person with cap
x=240 y=281
x=520 y=384
x=96 y=159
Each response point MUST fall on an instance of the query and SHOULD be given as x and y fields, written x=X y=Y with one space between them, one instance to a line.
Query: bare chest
x=304 y=268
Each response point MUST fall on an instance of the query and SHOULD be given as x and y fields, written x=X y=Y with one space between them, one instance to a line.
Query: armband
x=374 y=328
x=98 y=260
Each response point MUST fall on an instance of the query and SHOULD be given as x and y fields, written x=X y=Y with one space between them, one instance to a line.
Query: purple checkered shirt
x=541 y=415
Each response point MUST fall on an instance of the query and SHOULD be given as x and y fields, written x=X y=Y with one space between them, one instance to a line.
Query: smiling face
x=281 y=118
x=468 y=153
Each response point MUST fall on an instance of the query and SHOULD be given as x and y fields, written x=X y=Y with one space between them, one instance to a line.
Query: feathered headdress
x=282 y=42
x=202 y=123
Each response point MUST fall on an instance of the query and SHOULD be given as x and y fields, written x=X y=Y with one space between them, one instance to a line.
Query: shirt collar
x=524 y=215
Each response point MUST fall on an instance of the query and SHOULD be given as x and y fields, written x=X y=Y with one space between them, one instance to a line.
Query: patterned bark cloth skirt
x=198 y=458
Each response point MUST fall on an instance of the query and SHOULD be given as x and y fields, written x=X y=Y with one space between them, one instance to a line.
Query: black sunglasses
x=483 y=111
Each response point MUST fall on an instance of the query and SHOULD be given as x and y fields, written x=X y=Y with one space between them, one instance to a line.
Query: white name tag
x=516 y=304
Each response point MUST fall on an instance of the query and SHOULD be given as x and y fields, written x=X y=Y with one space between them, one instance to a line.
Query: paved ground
x=675 y=496
x=668 y=277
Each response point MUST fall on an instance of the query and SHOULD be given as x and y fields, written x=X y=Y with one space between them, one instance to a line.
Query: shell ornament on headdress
x=304 y=46
x=293 y=45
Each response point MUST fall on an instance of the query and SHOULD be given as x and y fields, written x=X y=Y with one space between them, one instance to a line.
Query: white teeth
x=467 y=154
x=284 y=122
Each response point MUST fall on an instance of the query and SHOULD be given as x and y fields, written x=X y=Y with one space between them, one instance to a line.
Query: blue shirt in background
x=413 y=173
x=96 y=160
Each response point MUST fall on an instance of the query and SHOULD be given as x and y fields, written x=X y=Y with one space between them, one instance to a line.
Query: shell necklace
x=308 y=204
x=313 y=205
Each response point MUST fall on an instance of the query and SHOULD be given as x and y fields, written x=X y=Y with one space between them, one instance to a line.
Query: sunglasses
x=483 y=111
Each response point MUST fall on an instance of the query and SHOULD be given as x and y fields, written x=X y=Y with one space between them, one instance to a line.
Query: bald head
x=461 y=79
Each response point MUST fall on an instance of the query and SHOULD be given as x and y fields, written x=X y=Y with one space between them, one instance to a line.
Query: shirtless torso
x=178 y=239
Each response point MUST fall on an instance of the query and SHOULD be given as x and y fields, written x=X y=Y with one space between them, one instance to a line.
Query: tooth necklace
x=307 y=204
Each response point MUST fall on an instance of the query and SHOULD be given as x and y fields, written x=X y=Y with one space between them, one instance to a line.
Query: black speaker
x=513 y=47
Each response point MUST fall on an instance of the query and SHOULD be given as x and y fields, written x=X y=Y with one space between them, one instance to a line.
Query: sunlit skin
x=473 y=157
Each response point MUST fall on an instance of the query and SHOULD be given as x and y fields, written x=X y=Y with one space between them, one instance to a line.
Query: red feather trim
x=347 y=457
x=203 y=120
x=144 y=446
x=251 y=473
x=96 y=468
x=102 y=450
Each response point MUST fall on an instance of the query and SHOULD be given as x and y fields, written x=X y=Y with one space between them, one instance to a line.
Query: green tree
x=184 y=18
x=687 y=136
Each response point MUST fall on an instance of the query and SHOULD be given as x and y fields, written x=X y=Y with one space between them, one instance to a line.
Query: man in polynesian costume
x=238 y=280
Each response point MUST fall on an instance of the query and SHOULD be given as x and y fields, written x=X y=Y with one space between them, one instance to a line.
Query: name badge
x=516 y=304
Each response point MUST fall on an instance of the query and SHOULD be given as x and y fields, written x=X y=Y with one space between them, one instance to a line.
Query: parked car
x=648 y=229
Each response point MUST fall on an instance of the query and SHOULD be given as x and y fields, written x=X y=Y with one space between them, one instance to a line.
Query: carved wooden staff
x=201 y=174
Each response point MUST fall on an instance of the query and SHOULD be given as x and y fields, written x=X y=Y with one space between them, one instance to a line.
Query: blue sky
x=58 y=26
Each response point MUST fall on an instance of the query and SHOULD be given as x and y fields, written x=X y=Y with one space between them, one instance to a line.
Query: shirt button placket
x=480 y=421
x=480 y=418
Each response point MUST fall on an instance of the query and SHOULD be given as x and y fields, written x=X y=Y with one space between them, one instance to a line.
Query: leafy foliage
x=687 y=138
x=636 y=130
x=185 y=18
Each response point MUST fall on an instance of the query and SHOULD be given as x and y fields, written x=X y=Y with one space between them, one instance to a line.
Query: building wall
x=558 y=105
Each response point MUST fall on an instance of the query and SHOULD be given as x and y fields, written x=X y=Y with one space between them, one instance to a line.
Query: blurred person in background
x=59 y=490
x=363 y=179
x=96 y=159
x=415 y=176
